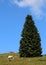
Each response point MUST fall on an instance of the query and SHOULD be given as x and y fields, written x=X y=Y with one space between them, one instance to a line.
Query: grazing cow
x=10 y=58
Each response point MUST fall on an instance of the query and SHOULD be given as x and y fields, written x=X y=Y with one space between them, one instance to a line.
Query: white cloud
x=35 y=5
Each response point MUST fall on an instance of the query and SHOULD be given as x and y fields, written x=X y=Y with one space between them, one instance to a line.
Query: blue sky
x=12 y=19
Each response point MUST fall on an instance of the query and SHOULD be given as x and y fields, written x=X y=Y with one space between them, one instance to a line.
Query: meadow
x=21 y=61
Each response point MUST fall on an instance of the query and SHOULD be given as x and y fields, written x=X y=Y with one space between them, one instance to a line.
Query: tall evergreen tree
x=30 y=43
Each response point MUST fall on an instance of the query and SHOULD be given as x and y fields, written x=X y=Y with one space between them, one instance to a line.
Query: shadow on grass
x=42 y=58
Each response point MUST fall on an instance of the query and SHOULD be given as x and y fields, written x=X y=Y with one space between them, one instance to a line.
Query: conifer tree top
x=29 y=17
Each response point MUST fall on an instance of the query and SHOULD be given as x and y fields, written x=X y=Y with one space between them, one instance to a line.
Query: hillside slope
x=21 y=61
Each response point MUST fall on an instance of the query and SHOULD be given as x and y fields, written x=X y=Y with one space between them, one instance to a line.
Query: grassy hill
x=21 y=61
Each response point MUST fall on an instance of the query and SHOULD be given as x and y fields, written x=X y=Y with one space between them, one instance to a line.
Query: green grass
x=21 y=61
